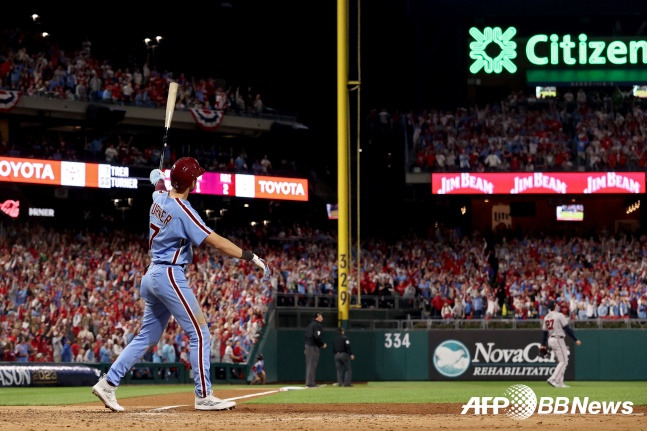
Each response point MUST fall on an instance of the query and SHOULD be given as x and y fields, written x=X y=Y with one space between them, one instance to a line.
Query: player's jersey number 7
x=156 y=229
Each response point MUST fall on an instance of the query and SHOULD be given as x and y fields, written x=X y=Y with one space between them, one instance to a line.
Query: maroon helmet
x=184 y=172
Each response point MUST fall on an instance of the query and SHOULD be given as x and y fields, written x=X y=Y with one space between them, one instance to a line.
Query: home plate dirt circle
x=175 y=412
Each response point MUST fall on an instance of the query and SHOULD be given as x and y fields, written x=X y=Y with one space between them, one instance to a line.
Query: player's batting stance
x=555 y=326
x=174 y=228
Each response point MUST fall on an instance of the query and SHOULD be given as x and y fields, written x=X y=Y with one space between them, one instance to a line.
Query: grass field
x=370 y=393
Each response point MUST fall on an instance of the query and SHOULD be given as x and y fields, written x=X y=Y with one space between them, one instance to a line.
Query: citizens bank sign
x=494 y=51
x=490 y=355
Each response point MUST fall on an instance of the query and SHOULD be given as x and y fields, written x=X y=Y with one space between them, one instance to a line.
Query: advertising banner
x=293 y=189
x=249 y=186
x=492 y=355
x=569 y=59
x=517 y=183
x=75 y=174
x=30 y=171
x=47 y=375
x=78 y=174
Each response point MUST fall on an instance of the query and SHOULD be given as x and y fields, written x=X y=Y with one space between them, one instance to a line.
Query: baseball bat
x=170 y=107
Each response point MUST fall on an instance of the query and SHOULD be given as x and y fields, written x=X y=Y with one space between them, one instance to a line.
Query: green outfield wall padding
x=270 y=356
x=373 y=359
x=611 y=354
x=388 y=355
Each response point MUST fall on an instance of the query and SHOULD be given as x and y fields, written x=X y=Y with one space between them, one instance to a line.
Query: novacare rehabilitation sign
x=494 y=50
x=491 y=355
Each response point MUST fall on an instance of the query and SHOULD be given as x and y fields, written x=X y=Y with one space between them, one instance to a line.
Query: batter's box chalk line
x=258 y=394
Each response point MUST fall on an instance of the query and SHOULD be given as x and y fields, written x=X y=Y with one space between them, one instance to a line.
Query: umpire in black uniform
x=313 y=341
x=343 y=356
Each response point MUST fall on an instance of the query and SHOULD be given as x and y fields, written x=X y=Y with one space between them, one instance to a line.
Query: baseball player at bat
x=555 y=327
x=175 y=227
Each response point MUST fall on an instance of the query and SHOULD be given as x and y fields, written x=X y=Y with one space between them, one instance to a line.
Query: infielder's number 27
x=396 y=340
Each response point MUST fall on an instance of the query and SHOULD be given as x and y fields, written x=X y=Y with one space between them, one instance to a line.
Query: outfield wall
x=612 y=354
x=388 y=355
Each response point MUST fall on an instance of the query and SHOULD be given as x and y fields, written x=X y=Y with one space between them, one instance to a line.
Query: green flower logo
x=507 y=50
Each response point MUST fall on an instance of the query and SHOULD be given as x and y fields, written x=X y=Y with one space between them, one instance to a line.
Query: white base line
x=283 y=389
x=252 y=395
x=161 y=409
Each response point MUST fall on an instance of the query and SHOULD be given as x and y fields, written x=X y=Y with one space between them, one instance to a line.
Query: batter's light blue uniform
x=174 y=228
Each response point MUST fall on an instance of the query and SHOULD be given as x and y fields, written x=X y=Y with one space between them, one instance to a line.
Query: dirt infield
x=144 y=413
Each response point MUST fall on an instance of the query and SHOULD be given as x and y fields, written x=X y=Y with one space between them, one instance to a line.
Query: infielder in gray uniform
x=555 y=326
x=175 y=227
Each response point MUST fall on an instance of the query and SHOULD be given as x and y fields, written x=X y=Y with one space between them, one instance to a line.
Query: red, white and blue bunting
x=8 y=100
x=207 y=119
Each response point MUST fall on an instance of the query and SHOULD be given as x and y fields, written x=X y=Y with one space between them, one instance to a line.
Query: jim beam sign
x=501 y=215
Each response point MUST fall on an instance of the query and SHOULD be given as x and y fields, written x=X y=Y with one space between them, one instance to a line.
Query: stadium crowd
x=122 y=150
x=71 y=296
x=38 y=67
x=593 y=130
x=461 y=278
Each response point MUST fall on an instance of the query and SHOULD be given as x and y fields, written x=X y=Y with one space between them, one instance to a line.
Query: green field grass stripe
x=371 y=393
x=78 y=395
x=453 y=392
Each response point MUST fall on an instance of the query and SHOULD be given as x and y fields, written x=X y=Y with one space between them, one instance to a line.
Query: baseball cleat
x=562 y=386
x=551 y=383
x=106 y=393
x=213 y=403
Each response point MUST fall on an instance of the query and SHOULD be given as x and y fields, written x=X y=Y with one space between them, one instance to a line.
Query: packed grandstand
x=71 y=294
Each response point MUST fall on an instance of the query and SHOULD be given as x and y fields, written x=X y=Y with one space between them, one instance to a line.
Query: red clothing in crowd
x=437 y=302
x=238 y=353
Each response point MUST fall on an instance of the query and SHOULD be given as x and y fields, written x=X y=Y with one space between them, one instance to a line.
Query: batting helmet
x=184 y=172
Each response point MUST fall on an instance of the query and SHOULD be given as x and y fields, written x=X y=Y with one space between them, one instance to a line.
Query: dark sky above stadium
x=412 y=51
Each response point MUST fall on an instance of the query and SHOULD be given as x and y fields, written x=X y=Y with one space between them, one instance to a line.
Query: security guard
x=343 y=356
x=313 y=341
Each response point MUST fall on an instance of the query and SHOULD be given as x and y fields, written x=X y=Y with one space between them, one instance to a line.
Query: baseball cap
x=315 y=315
x=550 y=304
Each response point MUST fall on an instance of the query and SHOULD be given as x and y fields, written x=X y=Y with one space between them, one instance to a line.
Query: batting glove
x=262 y=264
x=155 y=176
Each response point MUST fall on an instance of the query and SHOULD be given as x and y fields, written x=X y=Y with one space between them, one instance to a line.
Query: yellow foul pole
x=343 y=146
